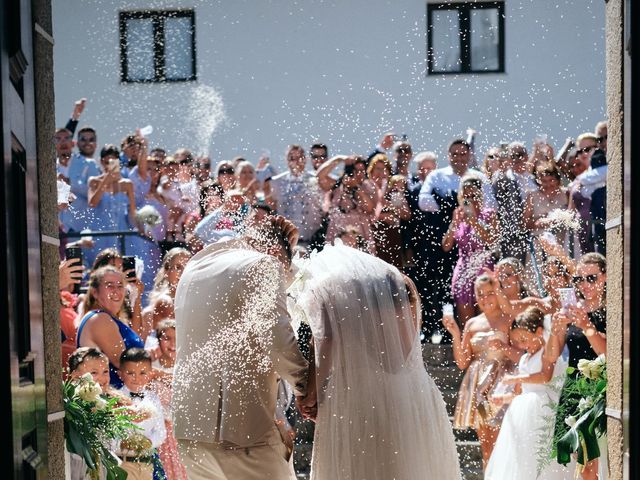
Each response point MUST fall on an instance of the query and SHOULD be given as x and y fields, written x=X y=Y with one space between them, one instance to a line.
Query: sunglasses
x=87 y=139
x=516 y=156
x=585 y=150
x=316 y=157
x=602 y=138
x=492 y=157
x=205 y=166
x=226 y=171
x=593 y=278
x=185 y=162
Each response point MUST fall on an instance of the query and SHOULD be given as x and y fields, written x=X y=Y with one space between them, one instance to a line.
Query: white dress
x=380 y=415
x=527 y=428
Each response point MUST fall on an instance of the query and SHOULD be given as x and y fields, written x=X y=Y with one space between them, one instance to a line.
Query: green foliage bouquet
x=91 y=422
x=587 y=422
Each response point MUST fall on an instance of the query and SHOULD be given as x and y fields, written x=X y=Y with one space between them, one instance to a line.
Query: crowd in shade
x=501 y=236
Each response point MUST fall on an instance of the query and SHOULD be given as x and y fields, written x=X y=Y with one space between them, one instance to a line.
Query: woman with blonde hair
x=484 y=352
x=164 y=286
x=101 y=326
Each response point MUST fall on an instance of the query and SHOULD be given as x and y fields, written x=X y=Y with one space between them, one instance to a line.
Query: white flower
x=564 y=219
x=101 y=404
x=592 y=369
x=148 y=215
x=570 y=421
x=89 y=391
x=585 y=404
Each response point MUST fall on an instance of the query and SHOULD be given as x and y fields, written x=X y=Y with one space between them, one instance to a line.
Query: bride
x=380 y=416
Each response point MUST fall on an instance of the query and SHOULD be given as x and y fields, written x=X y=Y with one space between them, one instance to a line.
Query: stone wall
x=45 y=127
x=615 y=230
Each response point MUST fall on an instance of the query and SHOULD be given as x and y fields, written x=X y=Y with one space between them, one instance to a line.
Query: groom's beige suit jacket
x=223 y=392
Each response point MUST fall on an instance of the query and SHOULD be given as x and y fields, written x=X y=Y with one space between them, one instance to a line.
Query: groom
x=234 y=341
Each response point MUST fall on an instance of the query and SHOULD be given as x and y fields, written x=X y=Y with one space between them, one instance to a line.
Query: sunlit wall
x=275 y=72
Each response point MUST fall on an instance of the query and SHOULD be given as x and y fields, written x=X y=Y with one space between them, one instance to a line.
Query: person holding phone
x=583 y=329
x=112 y=198
x=473 y=229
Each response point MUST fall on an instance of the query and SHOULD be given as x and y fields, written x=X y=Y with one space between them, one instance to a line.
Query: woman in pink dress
x=473 y=229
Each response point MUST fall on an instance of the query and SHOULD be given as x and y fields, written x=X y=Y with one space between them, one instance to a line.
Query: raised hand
x=70 y=272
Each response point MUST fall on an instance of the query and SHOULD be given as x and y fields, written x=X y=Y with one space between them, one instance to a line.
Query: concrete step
x=437 y=355
x=470 y=455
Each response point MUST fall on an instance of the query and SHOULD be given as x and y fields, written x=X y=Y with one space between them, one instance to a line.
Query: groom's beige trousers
x=213 y=461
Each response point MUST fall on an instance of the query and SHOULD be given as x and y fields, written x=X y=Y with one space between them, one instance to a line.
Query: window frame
x=157 y=17
x=464 y=24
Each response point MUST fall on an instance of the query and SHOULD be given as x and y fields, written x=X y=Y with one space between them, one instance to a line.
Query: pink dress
x=473 y=257
x=168 y=451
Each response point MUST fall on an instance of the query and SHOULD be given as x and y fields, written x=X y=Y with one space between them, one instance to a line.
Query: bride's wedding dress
x=380 y=415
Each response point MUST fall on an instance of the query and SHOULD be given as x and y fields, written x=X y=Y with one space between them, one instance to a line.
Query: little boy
x=138 y=452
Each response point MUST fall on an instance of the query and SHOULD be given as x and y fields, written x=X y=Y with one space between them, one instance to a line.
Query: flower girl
x=527 y=427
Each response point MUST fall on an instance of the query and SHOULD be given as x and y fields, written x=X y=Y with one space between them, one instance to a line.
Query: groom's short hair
x=269 y=233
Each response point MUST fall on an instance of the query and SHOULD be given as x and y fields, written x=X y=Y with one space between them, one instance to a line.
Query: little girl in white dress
x=527 y=427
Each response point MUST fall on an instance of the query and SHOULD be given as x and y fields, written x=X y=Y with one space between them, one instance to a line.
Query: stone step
x=437 y=355
x=470 y=454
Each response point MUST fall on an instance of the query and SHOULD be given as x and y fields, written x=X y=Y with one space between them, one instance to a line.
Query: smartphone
x=129 y=265
x=114 y=164
x=567 y=297
x=70 y=253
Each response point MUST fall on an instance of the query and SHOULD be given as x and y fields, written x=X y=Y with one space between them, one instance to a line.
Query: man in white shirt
x=297 y=195
x=444 y=182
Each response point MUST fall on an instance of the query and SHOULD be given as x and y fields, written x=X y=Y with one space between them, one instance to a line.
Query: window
x=157 y=46
x=465 y=37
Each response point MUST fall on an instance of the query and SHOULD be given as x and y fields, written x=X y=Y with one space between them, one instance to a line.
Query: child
x=88 y=360
x=161 y=384
x=514 y=455
x=138 y=452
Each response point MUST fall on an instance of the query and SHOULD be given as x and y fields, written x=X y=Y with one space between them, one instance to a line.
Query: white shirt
x=153 y=428
x=300 y=200
x=590 y=180
x=444 y=181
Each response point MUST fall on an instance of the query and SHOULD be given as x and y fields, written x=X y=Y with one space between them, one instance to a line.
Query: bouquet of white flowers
x=92 y=420
x=563 y=219
x=149 y=216
x=588 y=422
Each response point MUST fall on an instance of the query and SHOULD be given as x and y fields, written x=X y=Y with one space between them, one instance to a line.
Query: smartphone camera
x=72 y=253
x=129 y=265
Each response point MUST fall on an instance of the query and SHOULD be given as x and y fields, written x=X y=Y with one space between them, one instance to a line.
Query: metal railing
x=120 y=234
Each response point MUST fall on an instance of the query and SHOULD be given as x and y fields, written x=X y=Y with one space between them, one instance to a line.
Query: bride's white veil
x=380 y=416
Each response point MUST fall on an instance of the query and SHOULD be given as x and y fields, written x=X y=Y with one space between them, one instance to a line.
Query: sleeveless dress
x=112 y=213
x=129 y=338
x=474 y=407
x=526 y=427
x=473 y=256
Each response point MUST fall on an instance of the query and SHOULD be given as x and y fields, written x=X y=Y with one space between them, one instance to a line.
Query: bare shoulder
x=477 y=324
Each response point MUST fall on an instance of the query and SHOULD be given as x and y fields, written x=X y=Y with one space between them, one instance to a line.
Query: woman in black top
x=583 y=328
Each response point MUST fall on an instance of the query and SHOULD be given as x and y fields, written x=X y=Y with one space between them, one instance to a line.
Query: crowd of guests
x=496 y=235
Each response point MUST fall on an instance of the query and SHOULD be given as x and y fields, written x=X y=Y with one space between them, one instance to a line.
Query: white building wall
x=273 y=72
